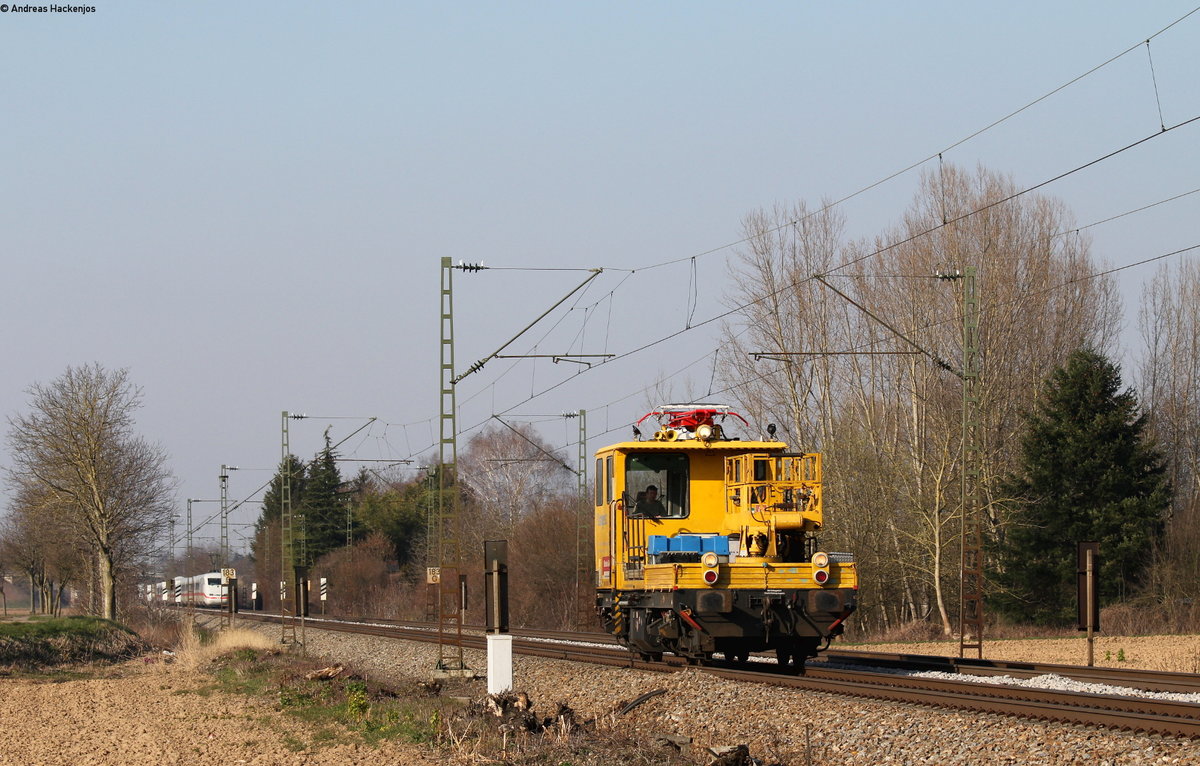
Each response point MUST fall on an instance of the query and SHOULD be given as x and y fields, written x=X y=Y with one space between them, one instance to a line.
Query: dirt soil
x=154 y=714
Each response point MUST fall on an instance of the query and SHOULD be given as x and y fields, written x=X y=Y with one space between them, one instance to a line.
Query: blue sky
x=246 y=203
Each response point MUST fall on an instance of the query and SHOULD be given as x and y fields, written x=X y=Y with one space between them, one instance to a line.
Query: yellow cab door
x=607 y=518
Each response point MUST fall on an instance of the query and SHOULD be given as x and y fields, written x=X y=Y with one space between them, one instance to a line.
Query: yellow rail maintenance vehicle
x=708 y=544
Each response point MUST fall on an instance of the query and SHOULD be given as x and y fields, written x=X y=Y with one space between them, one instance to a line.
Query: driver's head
x=651 y=492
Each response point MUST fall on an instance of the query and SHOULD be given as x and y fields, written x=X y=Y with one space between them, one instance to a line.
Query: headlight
x=820 y=559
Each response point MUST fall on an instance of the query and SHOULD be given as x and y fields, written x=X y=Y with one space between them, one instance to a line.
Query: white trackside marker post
x=499 y=662
x=499 y=641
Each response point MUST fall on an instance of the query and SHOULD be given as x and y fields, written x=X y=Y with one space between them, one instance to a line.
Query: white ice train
x=202 y=590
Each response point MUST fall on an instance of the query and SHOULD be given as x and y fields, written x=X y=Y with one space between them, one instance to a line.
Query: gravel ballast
x=796 y=727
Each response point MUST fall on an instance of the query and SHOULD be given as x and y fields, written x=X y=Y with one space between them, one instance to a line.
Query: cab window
x=656 y=485
x=599 y=481
x=608 y=479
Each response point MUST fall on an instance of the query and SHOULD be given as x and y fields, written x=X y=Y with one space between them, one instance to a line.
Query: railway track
x=1149 y=680
x=859 y=674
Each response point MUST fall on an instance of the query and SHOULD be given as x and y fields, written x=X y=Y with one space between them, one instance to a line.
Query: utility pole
x=188 y=562
x=224 y=478
x=970 y=634
x=970 y=610
x=188 y=549
x=443 y=576
x=448 y=437
x=581 y=482
x=446 y=527
x=291 y=535
x=170 y=568
x=582 y=522
x=191 y=599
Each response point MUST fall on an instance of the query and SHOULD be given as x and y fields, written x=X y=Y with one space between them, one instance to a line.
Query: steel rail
x=1149 y=680
x=1123 y=713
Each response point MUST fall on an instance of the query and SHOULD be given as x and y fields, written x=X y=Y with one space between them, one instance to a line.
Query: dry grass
x=1126 y=619
x=197 y=649
x=158 y=626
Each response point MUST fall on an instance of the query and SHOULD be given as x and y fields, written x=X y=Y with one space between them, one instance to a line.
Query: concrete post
x=499 y=663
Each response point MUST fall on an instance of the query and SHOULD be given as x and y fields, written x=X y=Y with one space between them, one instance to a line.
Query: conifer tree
x=272 y=511
x=324 y=507
x=397 y=511
x=1088 y=471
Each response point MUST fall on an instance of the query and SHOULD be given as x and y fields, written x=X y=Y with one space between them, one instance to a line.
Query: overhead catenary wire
x=540 y=340
x=688 y=325
x=990 y=126
x=1023 y=296
x=851 y=262
x=722 y=315
x=793 y=285
x=536 y=446
x=938 y=154
x=1042 y=238
x=1154 y=80
x=479 y=364
x=1015 y=195
x=304 y=465
x=1039 y=291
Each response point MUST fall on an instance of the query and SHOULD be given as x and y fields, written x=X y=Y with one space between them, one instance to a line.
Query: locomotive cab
x=706 y=544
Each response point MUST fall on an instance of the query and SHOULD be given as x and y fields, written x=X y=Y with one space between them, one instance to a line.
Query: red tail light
x=710 y=576
x=821 y=576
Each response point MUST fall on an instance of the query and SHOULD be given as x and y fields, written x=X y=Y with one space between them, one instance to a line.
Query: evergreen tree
x=324 y=507
x=1088 y=472
x=398 y=512
x=272 y=505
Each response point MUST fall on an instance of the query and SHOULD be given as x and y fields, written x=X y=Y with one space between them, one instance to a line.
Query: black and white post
x=499 y=641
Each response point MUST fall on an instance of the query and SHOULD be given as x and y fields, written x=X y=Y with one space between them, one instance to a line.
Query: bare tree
x=508 y=471
x=23 y=551
x=888 y=419
x=36 y=538
x=786 y=311
x=1170 y=367
x=76 y=450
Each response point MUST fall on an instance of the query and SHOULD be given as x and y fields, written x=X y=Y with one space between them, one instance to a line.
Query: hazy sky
x=246 y=204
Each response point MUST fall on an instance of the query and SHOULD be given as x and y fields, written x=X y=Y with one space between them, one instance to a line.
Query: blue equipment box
x=659 y=544
x=718 y=544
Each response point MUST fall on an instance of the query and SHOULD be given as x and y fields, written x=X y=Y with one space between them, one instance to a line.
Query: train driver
x=650 y=505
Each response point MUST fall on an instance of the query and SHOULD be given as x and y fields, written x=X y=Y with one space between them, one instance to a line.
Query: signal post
x=229 y=586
